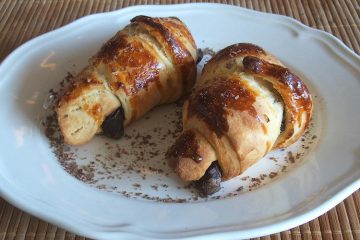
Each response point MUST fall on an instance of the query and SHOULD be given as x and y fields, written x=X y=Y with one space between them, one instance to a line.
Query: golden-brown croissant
x=245 y=104
x=150 y=62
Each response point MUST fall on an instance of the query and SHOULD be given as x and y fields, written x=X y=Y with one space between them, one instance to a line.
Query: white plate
x=32 y=178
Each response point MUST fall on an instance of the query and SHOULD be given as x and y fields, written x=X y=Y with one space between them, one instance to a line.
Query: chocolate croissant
x=150 y=62
x=245 y=104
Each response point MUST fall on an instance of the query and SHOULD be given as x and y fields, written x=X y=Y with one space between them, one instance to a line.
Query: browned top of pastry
x=299 y=94
x=174 y=36
x=133 y=65
x=185 y=146
x=237 y=50
x=212 y=101
x=294 y=93
x=168 y=30
x=83 y=81
x=265 y=67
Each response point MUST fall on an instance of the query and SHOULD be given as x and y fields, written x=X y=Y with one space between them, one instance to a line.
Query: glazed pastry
x=150 y=62
x=245 y=104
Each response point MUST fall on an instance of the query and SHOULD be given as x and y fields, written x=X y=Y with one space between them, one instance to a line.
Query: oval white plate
x=32 y=179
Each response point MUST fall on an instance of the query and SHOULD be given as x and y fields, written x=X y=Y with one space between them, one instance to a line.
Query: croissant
x=150 y=62
x=245 y=104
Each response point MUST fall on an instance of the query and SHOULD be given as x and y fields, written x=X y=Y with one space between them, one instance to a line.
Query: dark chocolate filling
x=200 y=55
x=113 y=125
x=210 y=182
x=283 y=124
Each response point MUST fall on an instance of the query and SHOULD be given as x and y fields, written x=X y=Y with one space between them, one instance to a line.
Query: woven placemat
x=23 y=20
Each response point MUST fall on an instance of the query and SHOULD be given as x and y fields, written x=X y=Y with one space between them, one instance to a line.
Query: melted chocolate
x=212 y=101
x=200 y=55
x=113 y=126
x=210 y=182
x=185 y=146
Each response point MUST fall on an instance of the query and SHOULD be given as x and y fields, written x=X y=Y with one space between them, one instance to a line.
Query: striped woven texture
x=24 y=20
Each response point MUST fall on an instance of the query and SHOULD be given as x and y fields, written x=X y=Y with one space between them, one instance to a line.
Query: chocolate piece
x=113 y=126
x=200 y=55
x=210 y=182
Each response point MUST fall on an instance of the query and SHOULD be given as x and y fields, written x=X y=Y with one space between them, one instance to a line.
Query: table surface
x=22 y=20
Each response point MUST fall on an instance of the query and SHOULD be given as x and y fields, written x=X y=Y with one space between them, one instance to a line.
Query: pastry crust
x=150 y=62
x=238 y=106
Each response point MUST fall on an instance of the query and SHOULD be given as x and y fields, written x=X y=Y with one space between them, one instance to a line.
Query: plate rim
x=272 y=228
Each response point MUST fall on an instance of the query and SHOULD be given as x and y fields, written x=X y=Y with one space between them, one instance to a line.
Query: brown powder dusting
x=255 y=183
x=291 y=157
x=263 y=176
x=136 y=185
x=273 y=174
x=273 y=159
x=208 y=51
